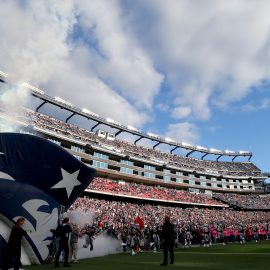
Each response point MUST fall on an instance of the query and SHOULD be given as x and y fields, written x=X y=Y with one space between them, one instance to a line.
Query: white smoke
x=33 y=50
x=103 y=244
x=80 y=217
x=12 y=98
x=31 y=56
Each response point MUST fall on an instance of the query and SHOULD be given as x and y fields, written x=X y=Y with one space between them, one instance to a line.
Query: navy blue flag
x=36 y=178
x=36 y=161
x=41 y=214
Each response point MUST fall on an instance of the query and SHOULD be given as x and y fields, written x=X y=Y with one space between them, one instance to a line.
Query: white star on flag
x=69 y=181
x=6 y=176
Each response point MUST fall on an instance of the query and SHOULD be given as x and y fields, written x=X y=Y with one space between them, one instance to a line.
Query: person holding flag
x=139 y=221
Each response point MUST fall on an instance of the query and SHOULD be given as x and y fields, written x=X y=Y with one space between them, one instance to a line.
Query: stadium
x=136 y=185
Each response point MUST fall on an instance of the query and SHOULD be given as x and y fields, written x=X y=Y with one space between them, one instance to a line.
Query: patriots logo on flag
x=36 y=178
x=41 y=163
x=39 y=210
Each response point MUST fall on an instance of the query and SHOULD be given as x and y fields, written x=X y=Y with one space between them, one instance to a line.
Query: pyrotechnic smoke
x=103 y=244
x=80 y=217
x=12 y=98
x=34 y=55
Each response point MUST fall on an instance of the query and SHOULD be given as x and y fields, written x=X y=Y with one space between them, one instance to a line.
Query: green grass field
x=249 y=256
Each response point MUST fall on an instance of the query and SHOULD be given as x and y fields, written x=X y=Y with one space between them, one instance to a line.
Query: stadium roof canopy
x=61 y=103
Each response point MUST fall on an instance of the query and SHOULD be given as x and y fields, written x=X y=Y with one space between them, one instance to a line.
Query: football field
x=249 y=256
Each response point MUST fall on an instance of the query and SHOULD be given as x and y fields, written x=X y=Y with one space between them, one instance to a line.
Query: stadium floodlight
x=152 y=135
x=201 y=147
x=186 y=144
x=110 y=120
x=3 y=74
x=132 y=128
x=229 y=151
x=243 y=152
x=33 y=88
x=58 y=99
x=84 y=110
x=118 y=124
x=113 y=121
x=169 y=140
x=214 y=150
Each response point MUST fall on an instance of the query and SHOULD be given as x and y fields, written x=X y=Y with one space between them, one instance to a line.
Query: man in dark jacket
x=63 y=232
x=167 y=239
x=13 y=252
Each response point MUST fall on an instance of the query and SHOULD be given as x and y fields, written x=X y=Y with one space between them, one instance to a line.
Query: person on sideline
x=167 y=240
x=73 y=243
x=13 y=252
x=63 y=232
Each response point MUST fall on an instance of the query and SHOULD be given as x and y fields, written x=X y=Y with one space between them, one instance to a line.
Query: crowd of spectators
x=49 y=123
x=224 y=225
x=245 y=201
x=150 y=192
x=75 y=132
x=120 y=215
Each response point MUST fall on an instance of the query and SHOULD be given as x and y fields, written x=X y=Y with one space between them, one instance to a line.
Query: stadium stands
x=250 y=201
x=199 y=193
x=218 y=168
x=150 y=192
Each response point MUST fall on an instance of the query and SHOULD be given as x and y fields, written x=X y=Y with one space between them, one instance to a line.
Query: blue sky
x=194 y=71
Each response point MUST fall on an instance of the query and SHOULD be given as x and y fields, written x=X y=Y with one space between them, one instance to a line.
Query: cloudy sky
x=194 y=71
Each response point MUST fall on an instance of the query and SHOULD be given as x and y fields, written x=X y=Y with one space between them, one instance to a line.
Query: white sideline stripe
x=224 y=253
x=216 y=253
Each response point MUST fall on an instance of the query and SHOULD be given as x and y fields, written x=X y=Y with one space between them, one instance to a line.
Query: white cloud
x=163 y=107
x=211 y=51
x=36 y=45
x=181 y=112
x=183 y=132
x=263 y=105
x=33 y=38
x=123 y=64
x=85 y=90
